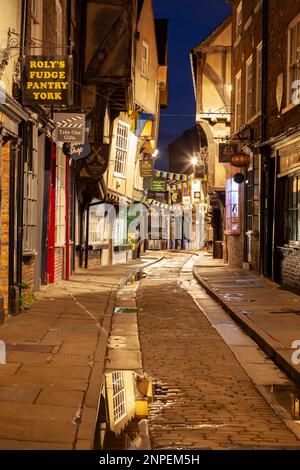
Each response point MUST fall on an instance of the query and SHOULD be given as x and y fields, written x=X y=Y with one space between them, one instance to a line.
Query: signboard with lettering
x=147 y=167
x=77 y=151
x=47 y=81
x=70 y=127
x=226 y=151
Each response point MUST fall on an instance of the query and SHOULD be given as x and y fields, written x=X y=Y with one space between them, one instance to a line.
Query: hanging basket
x=240 y=160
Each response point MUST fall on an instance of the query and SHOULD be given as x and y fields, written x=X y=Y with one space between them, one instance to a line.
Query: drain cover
x=126 y=310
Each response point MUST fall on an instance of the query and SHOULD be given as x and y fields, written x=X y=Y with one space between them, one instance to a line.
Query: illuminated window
x=121 y=148
x=119 y=396
x=98 y=226
x=293 y=57
x=232 y=207
x=238 y=100
x=30 y=192
x=258 y=77
x=145 y=59
x=60 y=223
x=249 y=89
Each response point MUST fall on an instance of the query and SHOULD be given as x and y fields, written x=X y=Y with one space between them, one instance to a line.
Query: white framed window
x=122 y=141
x=119 y=396
x=238 y=100
x=37 y=11
x=60 y=213
x=239 y=19
x=249 y=88
x=145 y=59
x=293 y=58
x=258 y=77
x=30 y=193
x=59 y=27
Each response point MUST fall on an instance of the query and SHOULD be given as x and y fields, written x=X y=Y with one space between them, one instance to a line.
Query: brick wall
x=5 y=168
x=289 y=268
x=59 y=260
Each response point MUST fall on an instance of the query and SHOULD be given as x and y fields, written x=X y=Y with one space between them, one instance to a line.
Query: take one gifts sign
x=47 y=80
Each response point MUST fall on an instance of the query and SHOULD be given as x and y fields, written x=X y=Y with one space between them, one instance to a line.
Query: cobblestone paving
x=209 y=401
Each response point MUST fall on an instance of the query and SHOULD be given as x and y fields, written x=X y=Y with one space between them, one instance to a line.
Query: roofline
x=215 y=32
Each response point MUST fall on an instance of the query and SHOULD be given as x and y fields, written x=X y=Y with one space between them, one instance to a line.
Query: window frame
x=36 y=11
x=292 y=210
x=30 y=196
x=122 y=148
x=119 y=396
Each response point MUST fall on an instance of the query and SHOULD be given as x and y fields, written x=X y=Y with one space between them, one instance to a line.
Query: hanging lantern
x=240 y=160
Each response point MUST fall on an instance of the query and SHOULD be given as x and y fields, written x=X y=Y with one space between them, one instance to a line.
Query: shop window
x=232 y=207
x=30 y=192
x=258 y=77
x=292 y=209
x=60 y=223
x=119 y=396
x=293 y=58
x=98 y=226
x=121 y=148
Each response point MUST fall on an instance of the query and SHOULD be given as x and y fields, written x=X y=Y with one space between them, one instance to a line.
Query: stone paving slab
x=268 y=319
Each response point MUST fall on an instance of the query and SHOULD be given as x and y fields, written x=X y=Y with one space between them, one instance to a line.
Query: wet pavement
x=211 y=381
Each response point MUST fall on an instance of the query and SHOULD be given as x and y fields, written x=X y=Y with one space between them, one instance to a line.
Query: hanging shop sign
x=96 y=163
x=147 y=167
x=159 y=185
x=176 y=197
x=47 y=81
x=70 y=127
x=226 y=151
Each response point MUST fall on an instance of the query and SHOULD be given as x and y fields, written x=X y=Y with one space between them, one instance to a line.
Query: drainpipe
x=263 y=130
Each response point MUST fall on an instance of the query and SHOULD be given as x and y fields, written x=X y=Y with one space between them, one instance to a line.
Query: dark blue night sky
x=190 y=22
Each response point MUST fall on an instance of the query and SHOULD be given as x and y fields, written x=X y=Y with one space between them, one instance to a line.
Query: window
x=292 y=209
x=119 y=396
x=30 y=192
x=98 y=226
x=145 y=59
x=59 y=27
x=232 y=207
x=249 y=89
x=36 y=27
x=238 y=100
x=293 y=56
x=60 y=213
x=239 y=20
x=120 y=235
x=121 y=148
x=258 y=77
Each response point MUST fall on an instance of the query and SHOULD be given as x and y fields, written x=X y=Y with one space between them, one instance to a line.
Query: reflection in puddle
x=124 y=405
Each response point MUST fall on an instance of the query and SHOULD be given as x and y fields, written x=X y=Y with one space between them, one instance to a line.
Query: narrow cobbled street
x=207 y=400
